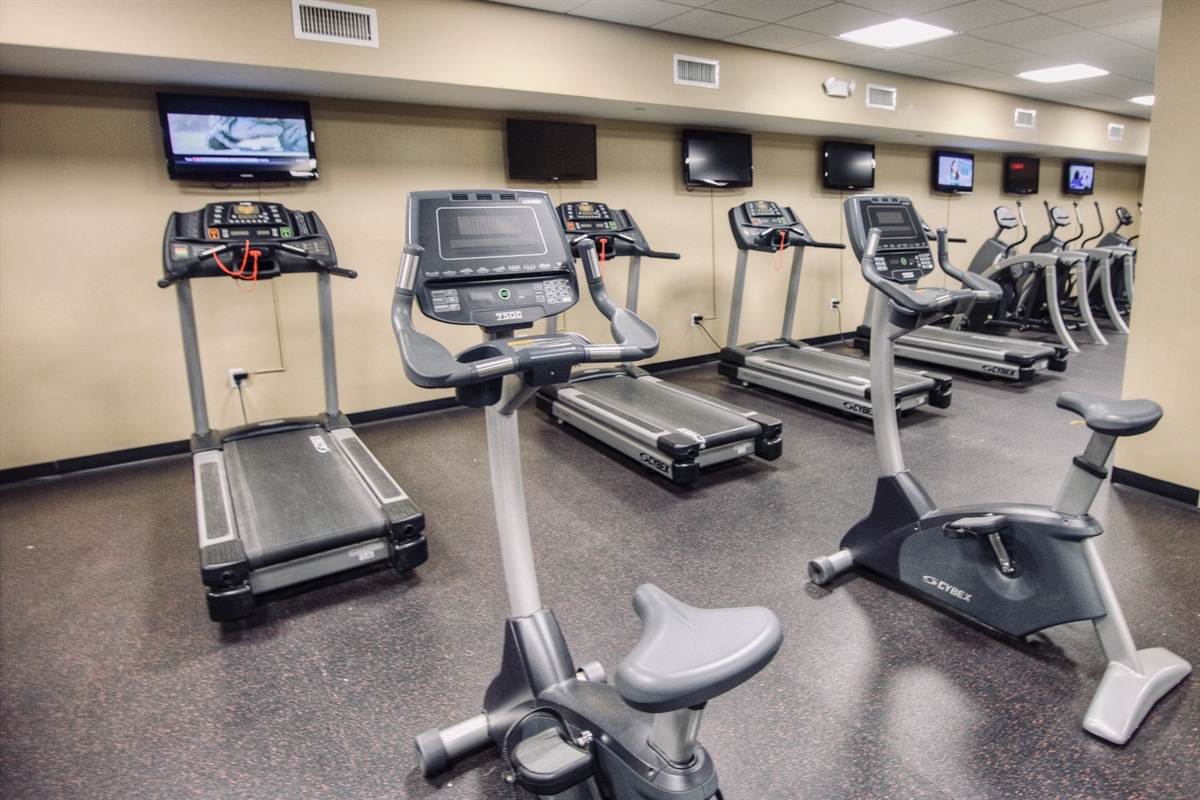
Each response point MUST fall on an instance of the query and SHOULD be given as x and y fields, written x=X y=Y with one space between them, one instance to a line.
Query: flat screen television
x=1079 y=177
x=237 y=139
x=540 y=150
x=849 y=166
x=717 y=159
x=953 y=171
x=1021 y=174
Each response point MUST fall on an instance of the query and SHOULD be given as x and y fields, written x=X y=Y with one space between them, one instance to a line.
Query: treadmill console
x=612 y=229
x=903 y=254
x=496 y=259
x=193 y=235
x=766 y=226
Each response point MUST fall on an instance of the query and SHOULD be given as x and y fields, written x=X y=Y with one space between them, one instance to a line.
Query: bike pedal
x=546 y=764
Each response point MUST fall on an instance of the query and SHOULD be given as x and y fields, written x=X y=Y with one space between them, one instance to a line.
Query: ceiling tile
x=903 y=8
x=1018 y=31
x=765 y=10
x=1120 y=87
x=832 y=50
x=931 y=68
x=887 y=60
x=837 y=19
x=642 y=13
x=775 y=37
x=949 y=45
x=1143 y=32
x=989 y=56
x=975 y=14
x=1049 y=6
x=1110 y=12
x=706 y=24
x=1067 y=44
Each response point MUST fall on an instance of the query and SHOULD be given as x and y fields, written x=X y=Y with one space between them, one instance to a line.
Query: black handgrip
x=658 y=254
x=830 y=245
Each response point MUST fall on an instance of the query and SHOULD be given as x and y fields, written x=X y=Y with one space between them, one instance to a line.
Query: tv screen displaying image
x=1021 y=174
x=237 y=139
x=717 y=159
x=849 y=166
x=540 y=150
x=953 y=172
x=1079 y=177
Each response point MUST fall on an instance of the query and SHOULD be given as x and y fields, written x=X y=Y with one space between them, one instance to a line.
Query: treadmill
x=981 y=353
x=284 y=501
x=793 y=367
x=672 y=431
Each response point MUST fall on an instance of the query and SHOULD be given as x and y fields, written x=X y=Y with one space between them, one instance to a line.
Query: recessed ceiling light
x=897 y=33
x=1144 y=100
x=1071 y=72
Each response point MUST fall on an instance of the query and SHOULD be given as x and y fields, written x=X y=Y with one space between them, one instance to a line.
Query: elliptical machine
x=499 y=260
x=1014 y=568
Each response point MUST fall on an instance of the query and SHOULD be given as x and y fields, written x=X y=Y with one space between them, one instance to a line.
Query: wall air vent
x=1116 y=132
x=335 y=23
x=1024 y=118
x=693 y=71
x=881 y=97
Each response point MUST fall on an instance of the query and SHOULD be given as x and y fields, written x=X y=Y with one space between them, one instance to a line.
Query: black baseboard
x=52 y=469
x=1171 y=491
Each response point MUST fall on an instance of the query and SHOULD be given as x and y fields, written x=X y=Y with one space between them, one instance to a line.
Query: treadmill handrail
x=430 y=365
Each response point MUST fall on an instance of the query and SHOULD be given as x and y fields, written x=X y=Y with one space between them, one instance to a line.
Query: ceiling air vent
x=881 y=97
x=692 y=71
x=1024 y=118
x=1116 y=132
x=335 y=23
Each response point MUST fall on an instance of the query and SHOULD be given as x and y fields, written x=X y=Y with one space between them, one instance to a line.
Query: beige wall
x=90 y=356
x=1163 y=362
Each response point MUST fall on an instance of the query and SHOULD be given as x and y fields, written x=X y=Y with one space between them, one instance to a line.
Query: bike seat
x=687 y=655
x=1113 y=417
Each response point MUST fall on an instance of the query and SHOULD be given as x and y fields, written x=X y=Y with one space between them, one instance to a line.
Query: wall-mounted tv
x=717 y=159
x=953 y=171
x=540 y=150
x=1021 y=174
x=237 y=139
x=849 y=166
x=1079 y=177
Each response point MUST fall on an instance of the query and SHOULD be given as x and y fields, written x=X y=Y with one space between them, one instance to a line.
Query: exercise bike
x=499 y=260
x=1013 y=568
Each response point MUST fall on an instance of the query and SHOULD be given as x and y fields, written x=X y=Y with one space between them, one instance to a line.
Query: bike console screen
x=493 y=259
x=903 y=254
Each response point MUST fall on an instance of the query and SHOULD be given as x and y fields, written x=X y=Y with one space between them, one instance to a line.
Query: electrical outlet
x=697 y=319
x=834 y=302
x=237 y=376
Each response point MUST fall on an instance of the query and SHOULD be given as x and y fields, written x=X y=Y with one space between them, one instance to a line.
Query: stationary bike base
x=1125 y=696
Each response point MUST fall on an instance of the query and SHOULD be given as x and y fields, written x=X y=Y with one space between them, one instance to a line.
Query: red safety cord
x=240 y=273
x=779 y=251
x=603 y=254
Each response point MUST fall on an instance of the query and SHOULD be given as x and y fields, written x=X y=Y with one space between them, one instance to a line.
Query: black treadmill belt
x=295 y=494
x=653 y=407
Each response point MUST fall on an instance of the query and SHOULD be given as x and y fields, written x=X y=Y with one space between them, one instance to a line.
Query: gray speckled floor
x=116 y=684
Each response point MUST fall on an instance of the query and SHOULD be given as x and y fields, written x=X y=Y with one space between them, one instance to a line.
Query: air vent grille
x=460 y=196
x=881 y=97
x=1116 y=132
x=335 y=23
x=508 y=196
x=1024 y=118
x=693 y=71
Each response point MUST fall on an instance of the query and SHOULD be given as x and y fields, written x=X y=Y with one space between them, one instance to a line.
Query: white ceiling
x=995 y=39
